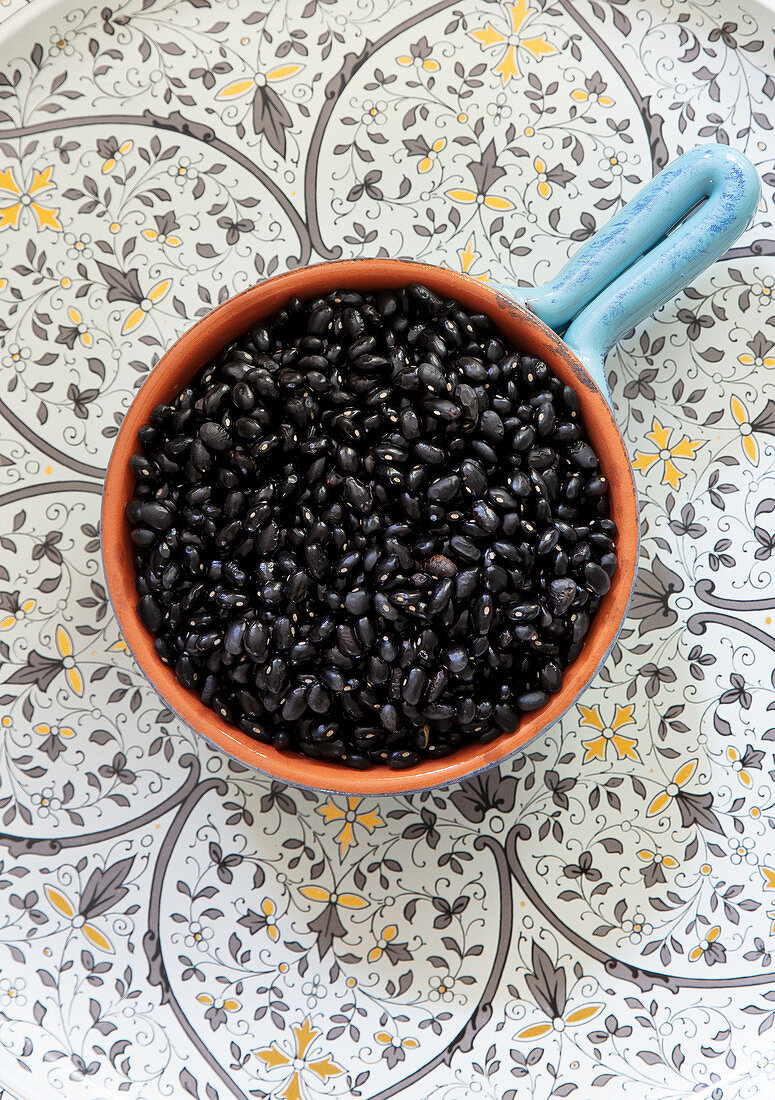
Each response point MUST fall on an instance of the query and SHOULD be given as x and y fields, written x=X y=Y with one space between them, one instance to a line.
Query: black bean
x=295 y=705
x=432 y=378
x=455 y=659
x=596 y=579
x=485 y=517
x=483 y=614
x=214 y=436
x=444 y=489
x=523 y=439
x=506 y=718
x=318 y=699
x=443 y=410
x=465 y=583
x=491 y=426
x=357 y=601
x=422 y=297
x=547 y=541
x=440 y=596
x=562 y=593
x=414 y=685
x=234 y=636
x=582 y=455
x=464 y=548
x=531 y=700
x=545 y=419
x=429 y=453
x=151 y=613
x=608 y=562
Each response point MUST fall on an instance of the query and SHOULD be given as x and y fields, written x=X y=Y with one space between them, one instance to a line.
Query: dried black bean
x=596 y=579
x=582 y=455
x=531 y=700
x=444 y=489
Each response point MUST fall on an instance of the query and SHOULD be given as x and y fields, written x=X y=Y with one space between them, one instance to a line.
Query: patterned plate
x=597 y=917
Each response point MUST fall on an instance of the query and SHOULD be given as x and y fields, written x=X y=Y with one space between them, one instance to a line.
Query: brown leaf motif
x=650 y=601
x=38 y=670
x=271 y=118
x=122 y=286
x=105 y=889
x=475 y=797
x=547 y=983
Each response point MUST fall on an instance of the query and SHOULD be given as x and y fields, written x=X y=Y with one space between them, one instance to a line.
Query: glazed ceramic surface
x=595 y=917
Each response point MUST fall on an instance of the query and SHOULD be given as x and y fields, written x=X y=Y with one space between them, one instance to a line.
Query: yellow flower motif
x=114 y=152
x=118 y=647
x=65 y=647
x=571 y=1019
x=420 y=55
x=682 y=776
x=137 y=315
x=586 y=97
x=351 y=817
x=705 y=945
x=660 y=437
x=426 y=163
x=648 y=856
x=388 y=933
x=295 y=1061
x=597 y=747
x=269 y=909
x=239 y=88
x=544 y=188
x=77 y=321
x=347 y=901
x=59 y=901
x=486 y=172
x=737 y=762
x=468 y=257
x=45 y=216
x=45 y=730
x=494 y=202
x=427 y=63
x=759 y=353
x=385 y=1039
x=163 y=233
x=513 y=40
x=16 y=614
x=152 y=235
x=230 y=1004
x=763 y=423
x=740 y=414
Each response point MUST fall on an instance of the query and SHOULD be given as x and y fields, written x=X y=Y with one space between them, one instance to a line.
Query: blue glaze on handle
x=635 y=263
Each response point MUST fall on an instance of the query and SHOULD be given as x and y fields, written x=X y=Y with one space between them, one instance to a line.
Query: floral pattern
x=598 y=915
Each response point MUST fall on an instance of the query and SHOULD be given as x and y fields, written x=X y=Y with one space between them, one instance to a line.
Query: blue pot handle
x=635 y=263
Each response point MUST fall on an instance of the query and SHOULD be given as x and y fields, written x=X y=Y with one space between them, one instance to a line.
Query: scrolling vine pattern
x=597 y=914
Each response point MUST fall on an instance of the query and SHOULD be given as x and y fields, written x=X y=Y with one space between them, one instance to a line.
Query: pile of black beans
x=370 y=531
